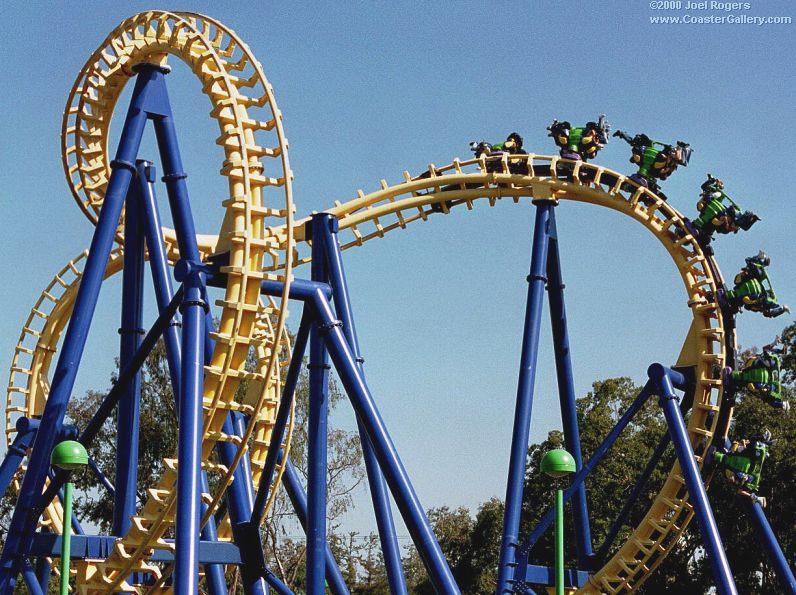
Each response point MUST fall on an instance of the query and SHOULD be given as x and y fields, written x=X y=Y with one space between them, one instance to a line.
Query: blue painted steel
x=101 y=546
x=159 y=267
x=581 y=475
x=662 y=377
x=378 y=488
x=317 y=431
x=44 y=571
x=31 y=578
x=111 y=399
x=300 y=289
x=292 y=483
x=525 y=386
x=189 y=447
x=545 y=575
x=161 y=281
x=566 y=391
x=641 y=482
x=189 y=443
x=127 y=415
x=240 y=498
x=770 y=542
x=16 y=452
x=25 y=515
x=403 y=493
x=282 y=417
x=103 y=479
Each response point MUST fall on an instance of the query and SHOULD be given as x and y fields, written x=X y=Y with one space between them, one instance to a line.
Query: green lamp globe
x=558 y=462
x=69 y=455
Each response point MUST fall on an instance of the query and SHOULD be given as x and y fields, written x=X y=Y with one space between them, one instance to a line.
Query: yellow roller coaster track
x=261 y=241
x=461 y=184
x=251 y=130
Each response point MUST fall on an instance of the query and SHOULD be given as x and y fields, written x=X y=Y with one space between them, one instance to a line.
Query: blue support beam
x=317 y=431
x=164 y=293
x=395 y=473
x=770 y=543
x=566 y=391
x=189 y=448
x=131 y=331
x=378 y=487
x=663 y=379
x=524 y=405
x=282 y=418
x=26 y=514
x=11 y=462
x=292 y=484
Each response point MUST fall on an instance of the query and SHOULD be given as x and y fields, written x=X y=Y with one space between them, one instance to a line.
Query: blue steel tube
x=183 y=220
x=25 y=517
x=189 y=449
x=159 y=265
x=771 y=544
x=161 y=280
x=566 y=392
x=282 y=418
x=378 y=488
x=522 y=412
x=581 y=475
x=31 y=579
x=297 y=497
x=131 y=331
x=725 y=584
x=317 y=433
x=43 y=571
x=403 y=493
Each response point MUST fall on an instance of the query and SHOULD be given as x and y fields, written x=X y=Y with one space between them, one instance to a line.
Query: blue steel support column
x=25 y=517
x=298 y=499
x=189 y=448
x=580 y=476
x=378 y=488
x=131 y=331
x=769 y=540
x=16 y=452
x=662 y=377
x=159 y=265
x=522 y=412
x=394 y=472
x=317 y=430
x=282 y=417
x=43 y=572
x=566 y=391
x=164 y=293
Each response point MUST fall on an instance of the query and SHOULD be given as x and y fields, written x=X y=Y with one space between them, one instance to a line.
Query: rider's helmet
x=515 y=136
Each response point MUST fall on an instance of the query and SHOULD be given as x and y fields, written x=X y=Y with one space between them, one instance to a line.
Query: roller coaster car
x=655 y=160
x=753 y=289
x=718 y=213
x=743 y=461
x=761 y=376
x=512 y=146
x=580 y=144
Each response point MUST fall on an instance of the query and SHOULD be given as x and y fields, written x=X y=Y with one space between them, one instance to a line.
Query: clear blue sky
x=371 y=89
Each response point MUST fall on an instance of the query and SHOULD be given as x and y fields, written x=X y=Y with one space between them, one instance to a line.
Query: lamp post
x=67 y=455
x=558 y=463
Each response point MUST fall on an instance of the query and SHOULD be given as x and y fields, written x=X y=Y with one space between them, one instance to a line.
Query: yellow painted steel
x=461 y=184
x=264 y=242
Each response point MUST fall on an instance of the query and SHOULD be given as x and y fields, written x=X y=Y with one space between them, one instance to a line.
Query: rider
x=511 y=146
x=719 y=213
x=743 y=462
x=761 y=375
x=655 y=160
x=753 y=289
x=580 y=143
